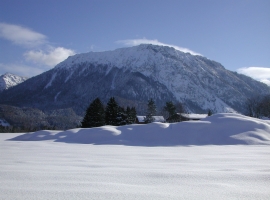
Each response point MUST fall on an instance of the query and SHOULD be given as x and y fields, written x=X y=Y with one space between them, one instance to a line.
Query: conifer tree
x=111 y=112
x=121 y=118
x=131 y=115
x=151 y=111
x=170 y=108
x=128 y=112
x=94 y=115
x=172 y=115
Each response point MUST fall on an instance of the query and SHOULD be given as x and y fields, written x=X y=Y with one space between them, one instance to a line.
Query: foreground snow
x=219 y=129
x=53 y=170
x=67 y=169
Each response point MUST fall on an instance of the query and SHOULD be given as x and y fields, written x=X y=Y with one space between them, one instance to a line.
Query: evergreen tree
x=111 y=112
x=94 y=115
x=151 y=111
x=171 y=113
x=128 y=112
x=121 y=118
x=170 y=108
x=210 y=112
x=131 y=115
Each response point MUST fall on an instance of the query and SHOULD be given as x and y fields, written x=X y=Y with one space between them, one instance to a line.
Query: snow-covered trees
x=151 y=111
x=94 y=115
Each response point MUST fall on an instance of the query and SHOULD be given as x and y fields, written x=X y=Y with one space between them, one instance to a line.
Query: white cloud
x=21 y=70
x=47 y=57
x=134 y=42
x=266 y=81
x=259 y=73
x=21 y=35
x=50 y=58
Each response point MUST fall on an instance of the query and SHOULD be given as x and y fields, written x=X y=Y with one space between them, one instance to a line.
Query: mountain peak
x=133 y=57
x=8 y=80
x=136 y=74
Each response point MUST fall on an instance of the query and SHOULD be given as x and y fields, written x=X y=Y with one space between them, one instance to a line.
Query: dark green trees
x=121 y=118
x=170 y=108
x=111 y=112
x=117 y=116
x=258 y=106
x=151 y=111
x=210 y=112
x=94 y=115
x=173 y=111
x=131 y=115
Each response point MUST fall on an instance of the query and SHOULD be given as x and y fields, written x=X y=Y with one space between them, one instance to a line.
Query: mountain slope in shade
x=134 y=75
x=8 y=80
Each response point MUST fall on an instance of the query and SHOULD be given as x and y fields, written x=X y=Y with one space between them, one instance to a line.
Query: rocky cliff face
x=134 y=75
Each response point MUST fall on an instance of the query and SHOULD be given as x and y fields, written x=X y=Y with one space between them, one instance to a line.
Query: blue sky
x=35 y=35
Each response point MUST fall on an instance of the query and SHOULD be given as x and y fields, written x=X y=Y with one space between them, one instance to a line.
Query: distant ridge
x=8 y=80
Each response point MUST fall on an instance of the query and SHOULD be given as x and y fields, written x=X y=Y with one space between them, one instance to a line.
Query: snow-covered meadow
x=225 y=156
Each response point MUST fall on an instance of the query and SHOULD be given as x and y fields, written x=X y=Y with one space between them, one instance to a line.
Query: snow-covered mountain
x=8 y=80
x=133 y=75
x=4 y=123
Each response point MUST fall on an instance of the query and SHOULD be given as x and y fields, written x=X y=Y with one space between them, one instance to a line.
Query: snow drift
x=219 y=129
x=59 y=166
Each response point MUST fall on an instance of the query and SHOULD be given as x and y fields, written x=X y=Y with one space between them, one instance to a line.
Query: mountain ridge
x=136 y=74
x=8 y=80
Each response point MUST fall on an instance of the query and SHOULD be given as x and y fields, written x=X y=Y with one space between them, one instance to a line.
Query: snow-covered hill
x=134 y=75
x=56 y=165
x=8 y=80
x=218 y=129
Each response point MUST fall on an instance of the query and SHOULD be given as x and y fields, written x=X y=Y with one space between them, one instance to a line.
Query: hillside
x=134 y=75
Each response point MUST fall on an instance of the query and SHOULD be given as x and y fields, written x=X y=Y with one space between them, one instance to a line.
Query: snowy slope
x=8 y=80
x=218 y=129
x=134 y=75
x=189 y=78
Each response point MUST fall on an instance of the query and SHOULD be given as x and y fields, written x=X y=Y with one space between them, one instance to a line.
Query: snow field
x=54 y=170
x=225 y=156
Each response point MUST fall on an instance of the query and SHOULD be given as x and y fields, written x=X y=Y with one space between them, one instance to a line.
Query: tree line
x=258 y=106
x=112 y=114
